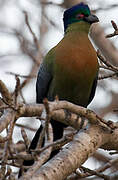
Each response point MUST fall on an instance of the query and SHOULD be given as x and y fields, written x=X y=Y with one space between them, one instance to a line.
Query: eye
x=80 y=16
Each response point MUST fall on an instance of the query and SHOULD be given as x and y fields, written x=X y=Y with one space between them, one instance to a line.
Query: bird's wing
x=93 y=89
x=45 y=76
x=43 y=81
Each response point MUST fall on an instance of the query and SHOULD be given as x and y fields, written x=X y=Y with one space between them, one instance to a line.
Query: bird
x=70 y=69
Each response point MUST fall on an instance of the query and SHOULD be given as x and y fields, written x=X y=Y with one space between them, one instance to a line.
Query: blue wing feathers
x=42 y=85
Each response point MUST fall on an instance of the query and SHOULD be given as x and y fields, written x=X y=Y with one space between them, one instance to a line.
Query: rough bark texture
x=85 y=143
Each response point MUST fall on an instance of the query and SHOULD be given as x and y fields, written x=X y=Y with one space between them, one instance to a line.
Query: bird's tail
x=58 y=129
x=32 y=146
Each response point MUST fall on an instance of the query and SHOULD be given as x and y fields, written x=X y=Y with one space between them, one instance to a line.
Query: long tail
x=58 y=129
x=32 y=146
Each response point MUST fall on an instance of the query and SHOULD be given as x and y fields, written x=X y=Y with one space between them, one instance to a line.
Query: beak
x=91 y=19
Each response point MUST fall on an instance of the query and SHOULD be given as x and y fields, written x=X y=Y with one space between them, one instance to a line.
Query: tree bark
x=74 y=154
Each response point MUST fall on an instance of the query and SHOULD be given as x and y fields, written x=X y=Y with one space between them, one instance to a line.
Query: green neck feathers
x=78 y=27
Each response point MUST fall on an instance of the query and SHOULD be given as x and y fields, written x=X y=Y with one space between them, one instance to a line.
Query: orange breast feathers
x=77 y=57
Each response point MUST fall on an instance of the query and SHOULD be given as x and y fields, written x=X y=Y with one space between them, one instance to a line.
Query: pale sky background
x=11 y=16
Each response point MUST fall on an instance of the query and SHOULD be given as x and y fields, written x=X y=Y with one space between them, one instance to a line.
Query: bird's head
x=79 y=12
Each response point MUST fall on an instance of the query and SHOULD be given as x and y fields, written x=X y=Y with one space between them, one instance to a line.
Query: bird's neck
x=79 y=27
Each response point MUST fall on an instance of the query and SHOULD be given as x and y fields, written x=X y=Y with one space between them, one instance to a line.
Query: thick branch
x=100 y=133
x=74 y=154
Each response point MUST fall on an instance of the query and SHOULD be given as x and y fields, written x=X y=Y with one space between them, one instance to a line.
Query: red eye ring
x=80 y=16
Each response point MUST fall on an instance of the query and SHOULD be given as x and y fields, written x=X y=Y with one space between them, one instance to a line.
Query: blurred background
x=28 y=29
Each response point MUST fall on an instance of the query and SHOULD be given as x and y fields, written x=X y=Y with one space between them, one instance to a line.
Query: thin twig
x=93 y=172
x=107 y=76
x=115 y=33
x=48 y=116
x=21 y=76
x=16 y=92
x=107 y=63
x=9 y=171
x=31 y=31
x=6 y=148
x=5 y=93
x=57 y=144
x=45 y=128
x=26 y=140
x=26 y=127
x=51 y=3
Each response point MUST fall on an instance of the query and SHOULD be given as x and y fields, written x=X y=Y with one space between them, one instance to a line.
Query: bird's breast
x=75 y=68
x=76 y=58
